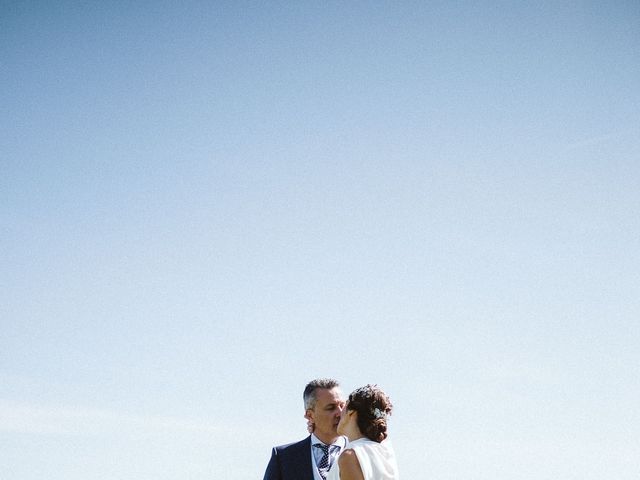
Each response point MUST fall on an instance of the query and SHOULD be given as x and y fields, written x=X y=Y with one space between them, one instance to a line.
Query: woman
x=368 y=455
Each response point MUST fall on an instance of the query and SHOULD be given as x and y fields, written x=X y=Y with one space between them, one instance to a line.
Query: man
x=312 y=458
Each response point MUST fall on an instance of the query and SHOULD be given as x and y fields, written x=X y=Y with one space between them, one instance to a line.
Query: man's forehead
x=329 y=395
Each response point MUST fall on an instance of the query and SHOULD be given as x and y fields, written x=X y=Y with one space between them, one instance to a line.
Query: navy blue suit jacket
x=290 y=462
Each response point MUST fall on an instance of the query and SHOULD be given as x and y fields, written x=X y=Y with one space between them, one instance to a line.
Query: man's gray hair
x=309 y=396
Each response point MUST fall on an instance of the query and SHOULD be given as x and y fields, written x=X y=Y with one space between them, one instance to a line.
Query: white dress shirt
x=316 y=453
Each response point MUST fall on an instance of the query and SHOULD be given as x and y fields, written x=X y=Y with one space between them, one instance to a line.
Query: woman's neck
x=354 y=434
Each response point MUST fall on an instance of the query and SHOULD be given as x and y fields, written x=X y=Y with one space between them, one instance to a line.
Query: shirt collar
x=340 y=441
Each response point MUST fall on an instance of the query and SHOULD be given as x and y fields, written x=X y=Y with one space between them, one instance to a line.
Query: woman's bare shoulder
x=349 y=466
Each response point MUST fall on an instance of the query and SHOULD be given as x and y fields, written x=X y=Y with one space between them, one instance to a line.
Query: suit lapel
x=305 y=468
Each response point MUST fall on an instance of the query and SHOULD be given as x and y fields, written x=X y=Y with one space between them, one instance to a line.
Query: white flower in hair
x=379 y=413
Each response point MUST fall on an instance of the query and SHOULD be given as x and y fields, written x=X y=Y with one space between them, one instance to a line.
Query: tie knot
x=323 y=447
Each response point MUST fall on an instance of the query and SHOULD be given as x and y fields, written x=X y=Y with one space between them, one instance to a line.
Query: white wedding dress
x=377 y=460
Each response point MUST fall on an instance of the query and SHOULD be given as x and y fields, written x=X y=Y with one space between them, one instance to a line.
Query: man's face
x=326 y=414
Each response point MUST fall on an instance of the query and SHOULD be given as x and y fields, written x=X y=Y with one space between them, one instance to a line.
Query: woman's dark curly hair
x=373 y=407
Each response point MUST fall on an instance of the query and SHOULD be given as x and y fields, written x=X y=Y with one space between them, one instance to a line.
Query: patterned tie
x=323 y=466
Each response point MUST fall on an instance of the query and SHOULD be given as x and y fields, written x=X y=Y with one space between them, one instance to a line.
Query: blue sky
x=207 y=204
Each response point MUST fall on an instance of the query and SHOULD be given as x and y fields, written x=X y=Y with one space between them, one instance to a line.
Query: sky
x=205 y=205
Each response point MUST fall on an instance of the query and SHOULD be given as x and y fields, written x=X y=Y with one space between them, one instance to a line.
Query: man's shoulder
x=287 y=447
x=291 y=461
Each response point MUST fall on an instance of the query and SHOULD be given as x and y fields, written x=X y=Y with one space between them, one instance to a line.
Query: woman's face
x=344 y=419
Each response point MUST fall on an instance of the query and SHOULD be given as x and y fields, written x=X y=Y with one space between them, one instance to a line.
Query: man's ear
x=311 y=426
